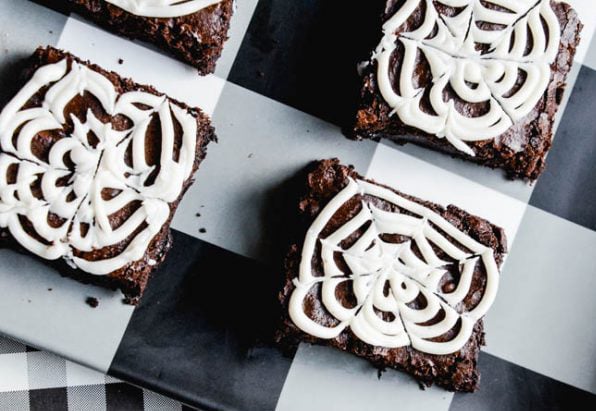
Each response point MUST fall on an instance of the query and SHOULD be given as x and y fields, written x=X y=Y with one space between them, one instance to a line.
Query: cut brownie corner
x=193 y=33
x=346 y=278
x=94 y=191
x=483 y=109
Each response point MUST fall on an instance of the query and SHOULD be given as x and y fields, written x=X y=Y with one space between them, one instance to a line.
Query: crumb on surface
x=50 y=289
x=202 y=230
x=92 y=302
x=197 y=214
x=251 y=155
x=120 y=61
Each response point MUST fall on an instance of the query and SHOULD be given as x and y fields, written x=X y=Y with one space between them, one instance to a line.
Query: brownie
x=487 y=99
x=194 y=35
x=92 y=169
x=336 y=262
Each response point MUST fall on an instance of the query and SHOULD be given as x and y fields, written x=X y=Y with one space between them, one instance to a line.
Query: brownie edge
x=455 y=372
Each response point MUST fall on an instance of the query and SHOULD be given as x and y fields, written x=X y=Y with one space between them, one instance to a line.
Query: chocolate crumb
x=120 y=61
x=251 y=155
x=202 y=230
x=50 y=289
x=92 y=302
x=197 y=214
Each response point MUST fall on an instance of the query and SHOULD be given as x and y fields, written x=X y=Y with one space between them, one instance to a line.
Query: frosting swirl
x=387 y=278
x=56 y=205
x=494 y=52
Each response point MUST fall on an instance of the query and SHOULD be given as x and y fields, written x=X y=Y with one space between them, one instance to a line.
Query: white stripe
x=45 y=370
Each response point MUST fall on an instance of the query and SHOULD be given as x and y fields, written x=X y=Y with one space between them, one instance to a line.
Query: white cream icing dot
x=97 y=166
x=373 y=263
x=449 y=45
x=162 y=8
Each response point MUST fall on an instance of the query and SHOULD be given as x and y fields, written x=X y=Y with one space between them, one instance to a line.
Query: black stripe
x=506 y=386
x=305 y=54
x=59 y=6
x=55 y=399
x=568 y=186
x=193 y=336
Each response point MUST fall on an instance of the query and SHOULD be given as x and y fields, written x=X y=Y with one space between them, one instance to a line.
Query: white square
x=428 y=182
x=14 y=372
x=78 y=375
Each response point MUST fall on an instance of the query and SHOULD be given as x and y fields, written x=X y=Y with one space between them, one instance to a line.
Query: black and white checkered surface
x=284 y=86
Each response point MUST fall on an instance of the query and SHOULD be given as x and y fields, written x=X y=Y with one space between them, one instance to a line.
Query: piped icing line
x=449 y=46
x=373 y=262
x=163 y=8
x=79 y=203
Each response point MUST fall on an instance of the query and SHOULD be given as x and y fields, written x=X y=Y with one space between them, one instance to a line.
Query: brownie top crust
x=163 y=8
x=92 y=165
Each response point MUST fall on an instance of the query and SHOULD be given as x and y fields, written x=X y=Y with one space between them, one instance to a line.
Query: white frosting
x=373 y=262
x=163 y=8
x=95 y=168
x=454 y=61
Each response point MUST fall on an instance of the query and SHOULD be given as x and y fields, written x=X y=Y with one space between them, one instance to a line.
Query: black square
x=305 y=54
x=123 y=397
x=55 y=399
x=507 y=386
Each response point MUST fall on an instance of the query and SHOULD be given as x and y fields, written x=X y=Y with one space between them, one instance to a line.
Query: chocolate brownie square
x=92 y=168
x=480 y=80
x=192 y=30
x=399 y=281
